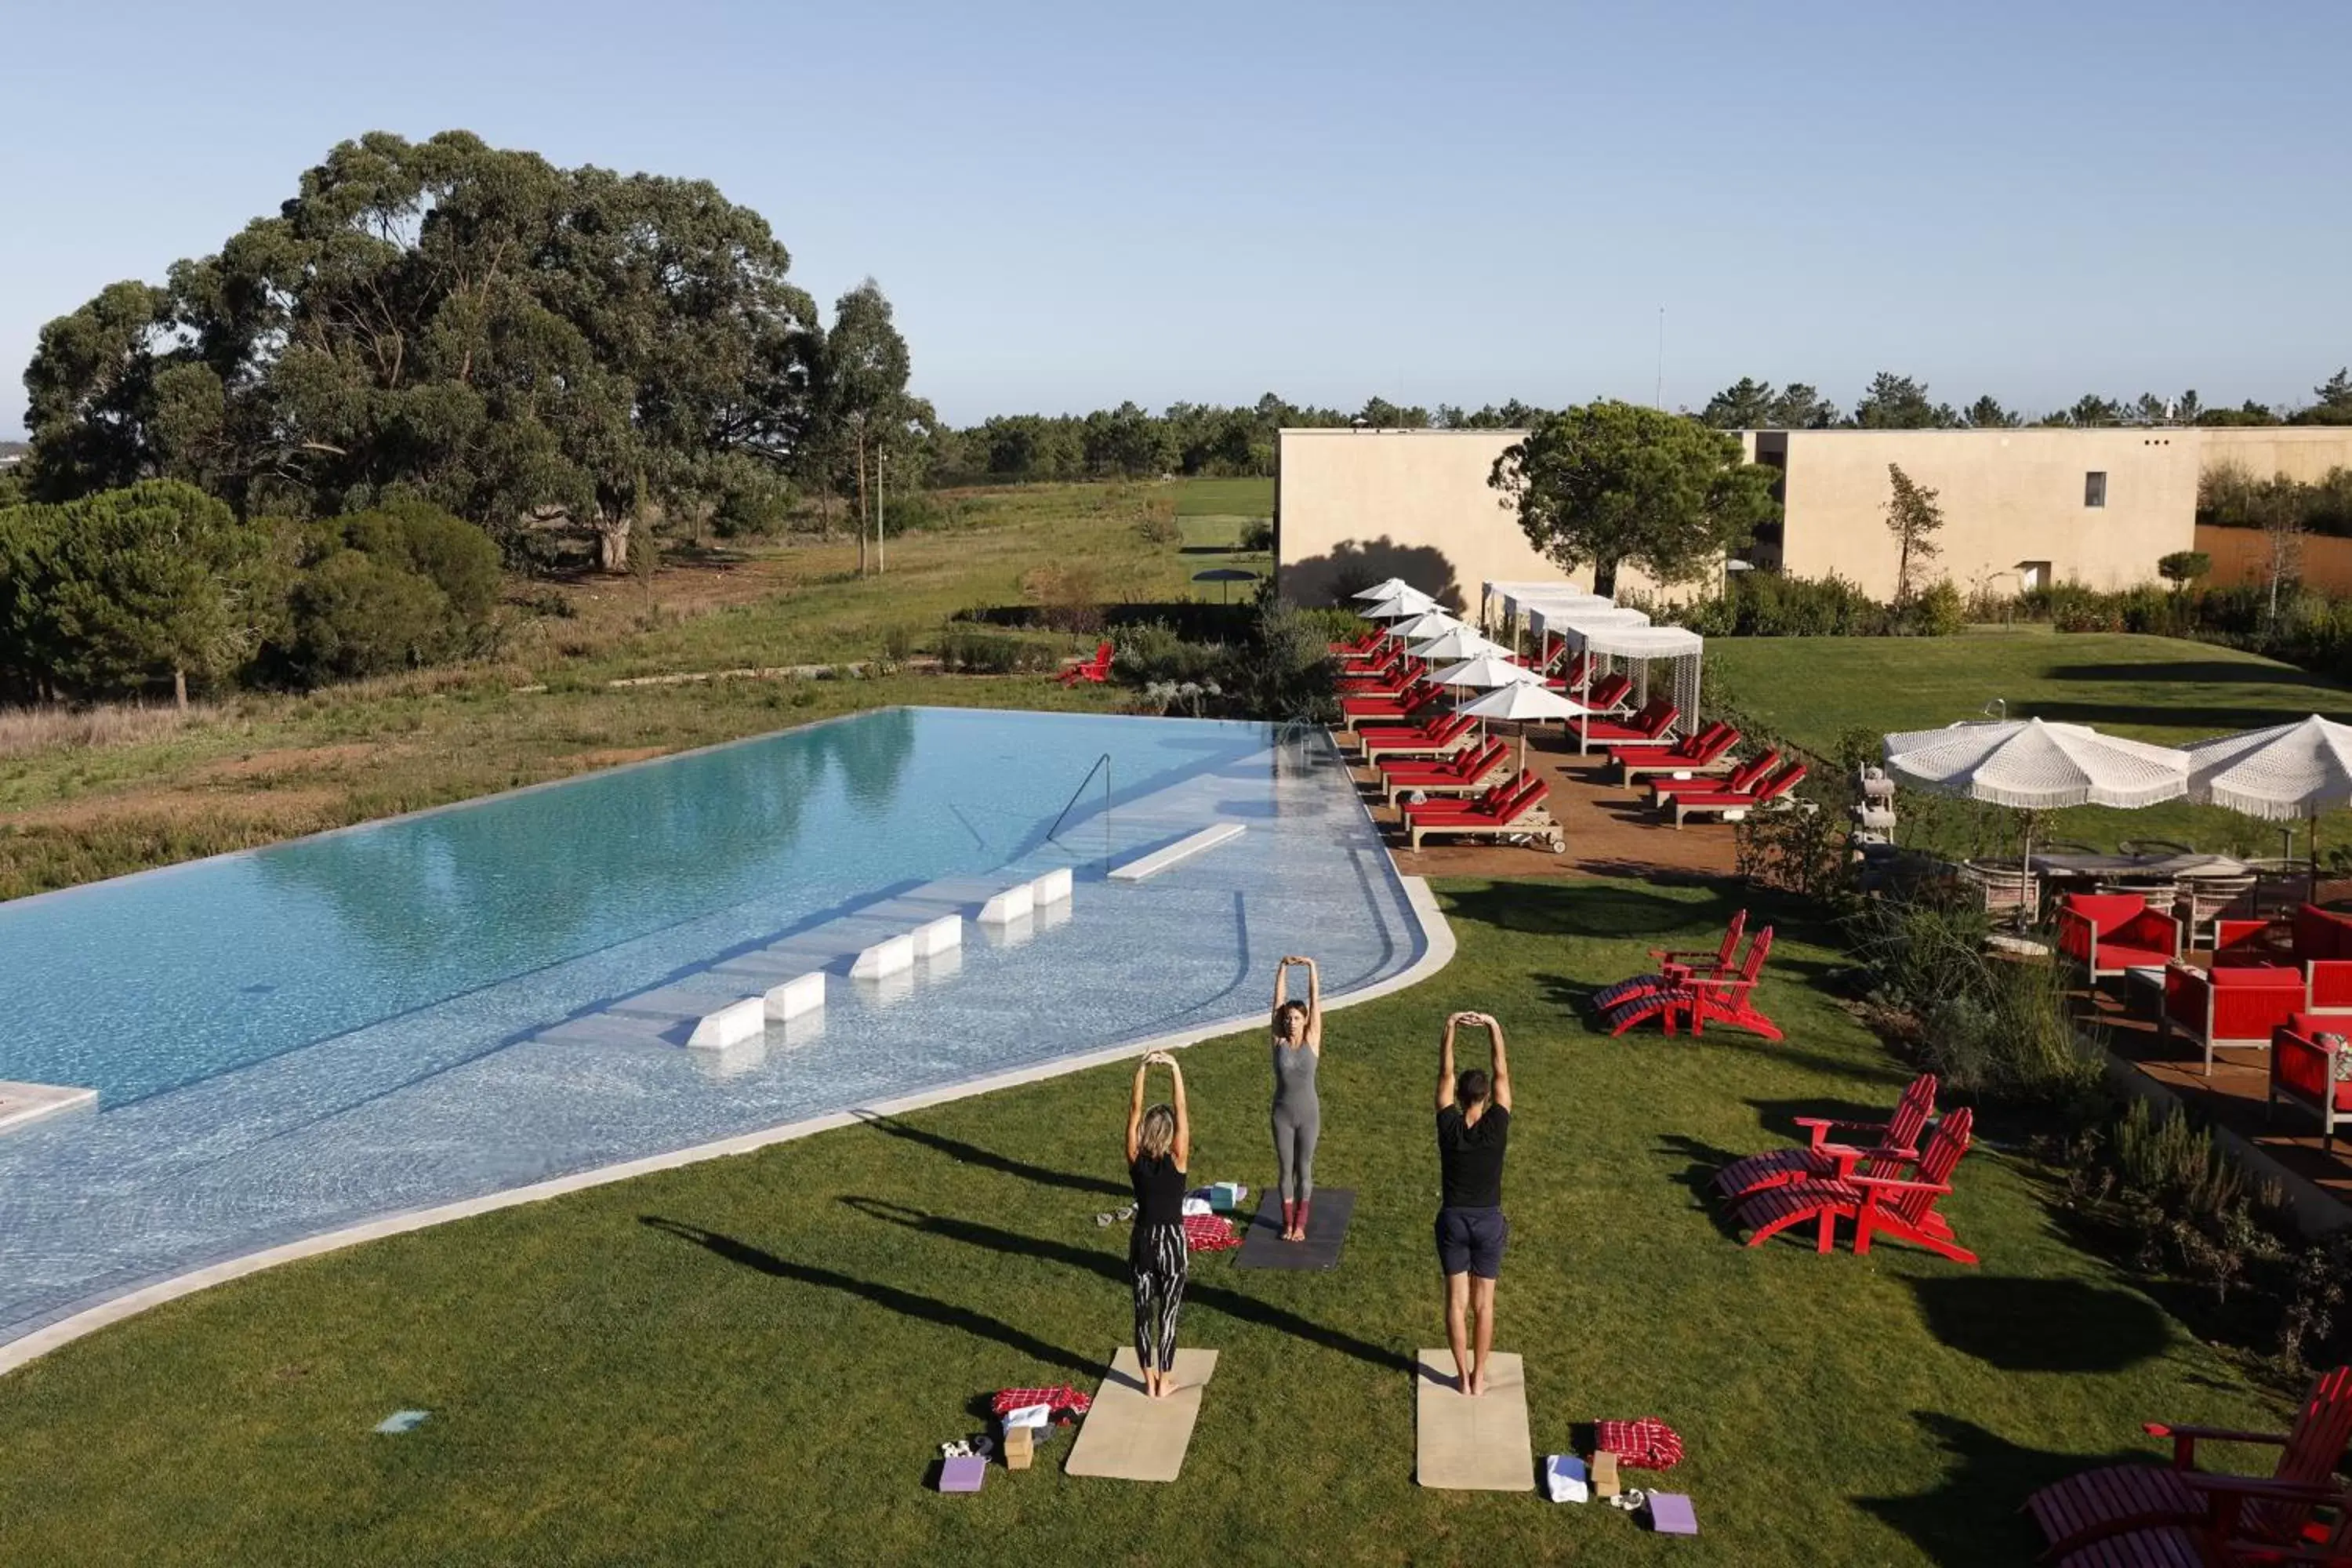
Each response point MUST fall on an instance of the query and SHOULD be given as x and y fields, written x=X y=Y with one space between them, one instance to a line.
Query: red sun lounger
x=1653 y=726
x=1449 y=733
x=1464 y=772
x=2113 y=1499
x=1745 y=776
x=1708 y=751
x=1888 y=1148
x=1413 y=704
x=1508 y=810
x=1719 y=803
x=1878 y=1205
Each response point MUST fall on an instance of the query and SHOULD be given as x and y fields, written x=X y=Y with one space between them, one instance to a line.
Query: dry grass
x=25 y=731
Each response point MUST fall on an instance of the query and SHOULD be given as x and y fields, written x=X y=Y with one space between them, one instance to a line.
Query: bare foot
x=1478 y=1382
x=1167 y=1387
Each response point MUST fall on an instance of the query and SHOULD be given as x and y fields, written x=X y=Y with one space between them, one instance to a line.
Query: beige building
x=2022 y=509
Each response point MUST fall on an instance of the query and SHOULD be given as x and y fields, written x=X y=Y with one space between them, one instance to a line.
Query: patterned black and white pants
x=1158 y=1256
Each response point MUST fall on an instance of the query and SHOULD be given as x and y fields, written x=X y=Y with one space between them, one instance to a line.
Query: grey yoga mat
x=1326 y=1229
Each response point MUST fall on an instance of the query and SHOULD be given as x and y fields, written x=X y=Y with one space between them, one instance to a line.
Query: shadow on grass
x=2195 y=671
x=1701 y=1162
x=1113 y=1268
x=974 y=1154
x=1586 y=908
x=2042 y=1325
x=2172 y=715
x=1971 y=1517
x=906 y=1303
x=1863 y=1122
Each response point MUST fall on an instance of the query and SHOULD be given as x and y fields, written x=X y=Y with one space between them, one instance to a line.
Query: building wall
x=2013 y=503
x=2302 y=452
x=1353 y=507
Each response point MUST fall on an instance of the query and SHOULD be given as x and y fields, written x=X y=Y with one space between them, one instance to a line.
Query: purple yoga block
x=1670 y=1514
x=963 y=1474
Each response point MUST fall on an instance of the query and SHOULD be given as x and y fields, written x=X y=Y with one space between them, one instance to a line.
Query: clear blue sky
x=1071 y=205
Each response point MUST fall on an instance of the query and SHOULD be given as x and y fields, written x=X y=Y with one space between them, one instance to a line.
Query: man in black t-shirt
x=1474 y=1125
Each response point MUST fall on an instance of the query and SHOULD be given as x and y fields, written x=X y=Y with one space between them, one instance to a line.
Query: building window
x=2095 y=487
x=2033 y=576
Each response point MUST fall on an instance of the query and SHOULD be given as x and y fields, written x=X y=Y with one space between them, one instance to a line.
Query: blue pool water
x=400 y=1015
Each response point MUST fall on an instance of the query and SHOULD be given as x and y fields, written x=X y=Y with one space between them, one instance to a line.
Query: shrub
x=1152 y=653
x=1283 y=671
x=898 y=643
x=356 y=613
x=1068 y=598
x=458 y=558
x=972 y=651
x=1158 y=524
x=1936 y=611
x=1257 y=537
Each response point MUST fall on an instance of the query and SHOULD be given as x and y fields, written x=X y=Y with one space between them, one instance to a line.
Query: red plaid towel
x=1648 y=1444
x=1209 y=1233
x=1066 y=1403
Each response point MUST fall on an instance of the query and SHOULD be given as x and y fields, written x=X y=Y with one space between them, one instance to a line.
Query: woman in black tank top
x=1158 y=1152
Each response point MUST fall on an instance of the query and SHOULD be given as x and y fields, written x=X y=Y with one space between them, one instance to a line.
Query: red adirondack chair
x=1676 y=965
x=1652 y=727
x=1447 y=733
x=1722 y=801
x=1723 y=997
x=1709 y=751
x=1463 y=771
x=1902 y=1208
x=2107 y=933
x=2083 y=1510
x=1887 y=1149
x=1095 y=670
x=2215 y=1542
x=1746 y=776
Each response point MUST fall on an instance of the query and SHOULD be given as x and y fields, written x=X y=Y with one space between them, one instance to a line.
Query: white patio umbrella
x=2279 y=774
x=1402 y=605
x=1388 y=590
x=1523 y=701
x=1460 y=643
x=1486 y=669
x=1425 y=626
x=2035 y=766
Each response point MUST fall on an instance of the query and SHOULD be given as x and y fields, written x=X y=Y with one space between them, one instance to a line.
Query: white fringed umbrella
x=1523 y=701
x=2286 y=772
x=2033 y=767
x=1389 y=590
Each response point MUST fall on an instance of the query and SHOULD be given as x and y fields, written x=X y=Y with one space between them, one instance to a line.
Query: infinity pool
x=289 y=1041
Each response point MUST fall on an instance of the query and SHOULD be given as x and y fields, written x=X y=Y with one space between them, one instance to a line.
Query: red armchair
x=2311 y=1074
x=2241 y=942
x=2233 y=1007
x=2108 y=933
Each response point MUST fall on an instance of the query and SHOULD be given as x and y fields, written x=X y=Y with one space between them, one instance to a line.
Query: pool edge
x=1437 y=949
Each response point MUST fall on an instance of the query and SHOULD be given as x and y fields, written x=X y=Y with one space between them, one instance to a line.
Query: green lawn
x=1229 y=498
x=751 y=1360
x=2146 y=688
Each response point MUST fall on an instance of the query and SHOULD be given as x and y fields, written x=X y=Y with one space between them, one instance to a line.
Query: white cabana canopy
x=2284 y=772
x=2038 y=766
x=1565 y=621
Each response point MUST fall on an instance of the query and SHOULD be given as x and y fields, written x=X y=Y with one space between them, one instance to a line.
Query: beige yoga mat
x=1473 y=1445
x=1131 y=1436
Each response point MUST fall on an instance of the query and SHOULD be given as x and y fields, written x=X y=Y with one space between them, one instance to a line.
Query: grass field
x=259 y=768
x=2146 y=688
x=753 y=1359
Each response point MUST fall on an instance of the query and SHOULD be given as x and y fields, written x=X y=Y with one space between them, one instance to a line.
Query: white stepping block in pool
x=22 y=1104
x=935 y=937
x=1159 y=860
x=888 y=957
x=799 y=994
x=1010 y=905
x=729 y=1026
x=1052 y=888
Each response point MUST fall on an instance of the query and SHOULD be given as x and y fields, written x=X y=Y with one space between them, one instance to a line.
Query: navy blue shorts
x=1470 y=1241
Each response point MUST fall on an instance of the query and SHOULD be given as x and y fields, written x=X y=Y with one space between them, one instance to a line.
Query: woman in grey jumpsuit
x=1298 y=1114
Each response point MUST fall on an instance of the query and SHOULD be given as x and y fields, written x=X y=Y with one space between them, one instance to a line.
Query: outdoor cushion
x=2321 y=933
